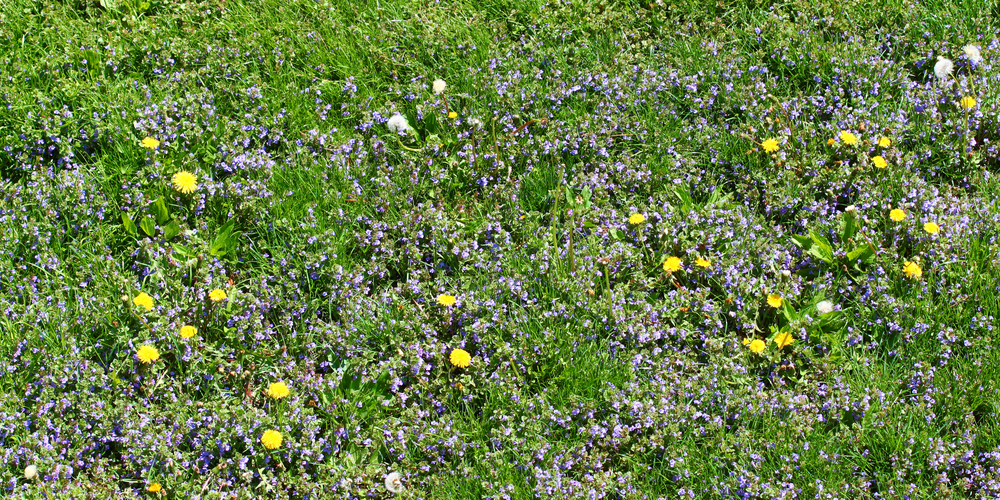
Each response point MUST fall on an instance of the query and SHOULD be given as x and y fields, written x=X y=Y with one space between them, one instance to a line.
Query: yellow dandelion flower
x=188 y=331
x=831 y=141
x=460 y=358
x=774 y=300
x=912 y=270
x=452 y=115
x=746 y=341
x=932 y=228
x=757 y=346
x=672 y=265
x=783 y=339
x=217 y=295
x=147 y=354
x=150 y=143
x=271 y=439
x=879 y=162
x=848 y=138
x=278 y=390
x=154 y=488
x=185 y=182
x=884 y=142
x=703 y=263
x=897 y=215
x=446 y=300
x=770 y=145
x=636 y=219
x=968 y=102
x=144 y=301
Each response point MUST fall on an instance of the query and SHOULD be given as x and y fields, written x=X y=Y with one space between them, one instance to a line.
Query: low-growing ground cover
x=326 y=249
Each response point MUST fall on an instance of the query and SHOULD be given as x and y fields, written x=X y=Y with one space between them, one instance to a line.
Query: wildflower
x=897 y=215
x=932 y=228
x=757 y=346
x=446 y=300
x=879 y=162
x=672 y=265
x=774 y=300
x=398 y=124
x=746 y=341
x=968 y=102
x=452 y=115
x=636 y=219
x=824 y=307
x=884 y=142
x=943 y=67
x=144 y=301
x=848 y=138
x=783 y=339
x=188 y=331
x=271 y=439
x=150 y=143
x=972 y=52
x=277 y=390
x=147 y=354
x=460 y=358
x=831 y=141
x=185 y=182
x=439 y=86
x=770 y=145
x=393 y=482
x=703 y=263
x=154 y=488
x=217 y=295
x=30 y=472
x=475 y=123
x=912 y=270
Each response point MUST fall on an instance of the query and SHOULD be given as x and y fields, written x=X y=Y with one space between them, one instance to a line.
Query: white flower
x=438 y=86
x=476 y=123
x=824 y=307
x=943 y=67
x=398 y=124
x=852 y=209
x=393 y=482
x=972 y=52
x=30 y=472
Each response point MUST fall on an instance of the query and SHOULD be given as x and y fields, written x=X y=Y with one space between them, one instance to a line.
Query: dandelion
x=824 y=307
x=774 y=300
x=746 y=341
x=393 y=482
x=672 y=265
x=446 y=300
x=943 y=67
x=636 y=219
x=271 y=439
x=757 y=346
x=439 y=86
x=144 y=301
x=398 y=124
x=154 y=488
x=217 y=295
x=150 y=143
x=703 y=263
x=912 y=270
x=972 y=52
x=188 y=331
x=452 y=115
x=475 y=123
x=185 y=182
x=460 y=358
x=884 y=142
x=879 y=162
x=968 y=102
x=848 y=138
x=147 y=354
x=277 y=390
x=831 y=141
x=770 y=145
x=30 y=472
x=783 y=339
x=897 y=215
x=932 y=228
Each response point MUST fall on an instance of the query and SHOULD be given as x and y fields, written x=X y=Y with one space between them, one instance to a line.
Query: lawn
x=499 y=249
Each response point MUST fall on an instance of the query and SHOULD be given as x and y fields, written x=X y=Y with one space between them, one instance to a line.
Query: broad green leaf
x=222 y=244
x=171 y=230
x=148 y=226
x=160 y=211
x=848 y=227
x=129 y=225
